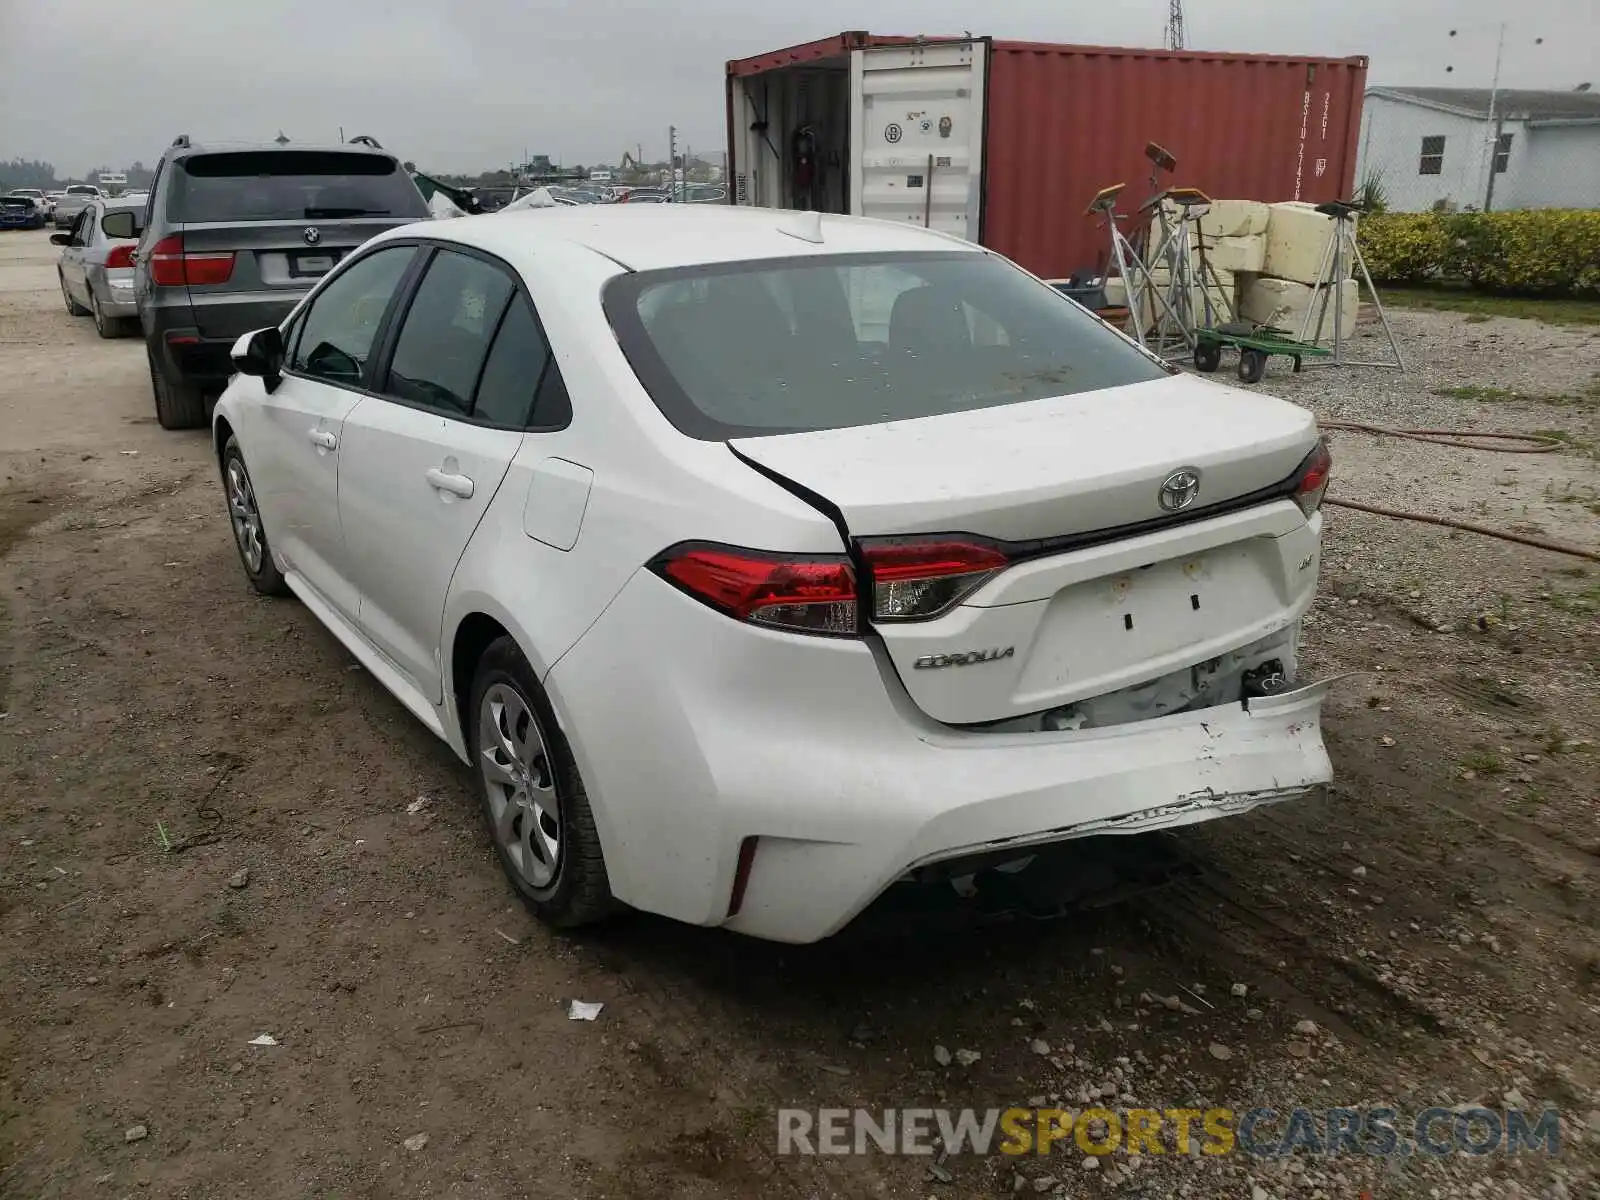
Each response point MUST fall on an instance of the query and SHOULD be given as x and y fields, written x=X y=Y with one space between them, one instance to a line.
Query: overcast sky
x=461 y=84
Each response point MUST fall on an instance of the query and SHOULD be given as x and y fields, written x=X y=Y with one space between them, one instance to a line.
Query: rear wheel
x=533 y=797
x=106 y=327
x=1252 y=365
x=74 y=309
x=249 y=534
x=178 y=405
x=1208 y=356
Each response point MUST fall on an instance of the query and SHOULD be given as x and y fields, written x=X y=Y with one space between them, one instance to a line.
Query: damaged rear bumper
x=970 y=796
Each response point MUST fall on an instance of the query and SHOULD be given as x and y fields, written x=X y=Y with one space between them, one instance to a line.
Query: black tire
x=178 y=405
x=107 y=327
x=1208 y=356
x=577 y=891
x=1252 y=365
x=74 y=309
x=263 y=575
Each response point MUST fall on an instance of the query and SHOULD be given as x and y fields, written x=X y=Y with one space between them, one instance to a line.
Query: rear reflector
x=172 y=266
x=121 y=257
x=799 y=593
x=1312 y=481
x=914 y=579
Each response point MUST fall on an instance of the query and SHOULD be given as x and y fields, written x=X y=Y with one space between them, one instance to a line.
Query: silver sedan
x=96 y=265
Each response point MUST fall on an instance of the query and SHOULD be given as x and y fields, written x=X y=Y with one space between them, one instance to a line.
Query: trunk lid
x=1045 y=468
x=275 y=263
x=1155 y=596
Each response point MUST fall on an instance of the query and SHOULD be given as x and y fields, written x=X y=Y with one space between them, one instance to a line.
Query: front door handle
x=323 y=439
x=456 y=485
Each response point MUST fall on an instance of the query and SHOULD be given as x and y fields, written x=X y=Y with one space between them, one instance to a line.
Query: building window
x=1502 y=154
x=1432 y=156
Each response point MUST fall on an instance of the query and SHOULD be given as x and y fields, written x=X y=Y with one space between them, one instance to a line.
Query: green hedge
x=1549 y=251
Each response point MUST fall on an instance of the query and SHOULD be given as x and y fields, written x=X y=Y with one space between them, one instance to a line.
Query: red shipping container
x=1008 y=141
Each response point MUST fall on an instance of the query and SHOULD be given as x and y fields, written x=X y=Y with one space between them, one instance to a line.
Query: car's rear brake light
x=1311 y=482
x=799 y=593
x=120 y=258
x=172 y=266
x=917 y=578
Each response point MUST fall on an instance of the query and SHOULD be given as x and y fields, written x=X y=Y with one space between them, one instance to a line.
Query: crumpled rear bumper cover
x=694 y=734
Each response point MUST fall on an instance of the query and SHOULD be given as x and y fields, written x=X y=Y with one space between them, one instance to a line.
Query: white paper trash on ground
x=582 y=1010
x=263 y=1039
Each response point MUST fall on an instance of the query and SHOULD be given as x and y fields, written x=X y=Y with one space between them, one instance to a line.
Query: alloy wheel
x=524 y=808
x=245 y=516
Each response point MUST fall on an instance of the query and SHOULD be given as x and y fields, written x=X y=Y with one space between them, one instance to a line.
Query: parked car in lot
x=20 y=212
x=39 y=197
x=235 y=236
x=757 y=561
x=73 y=201
x=96 y=264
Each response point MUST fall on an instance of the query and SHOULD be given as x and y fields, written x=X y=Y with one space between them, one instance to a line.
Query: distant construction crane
x=1174 y=39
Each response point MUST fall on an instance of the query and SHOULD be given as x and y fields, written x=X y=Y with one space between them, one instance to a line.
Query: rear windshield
x=83 y=189
x=802 y=344
x=292 y=185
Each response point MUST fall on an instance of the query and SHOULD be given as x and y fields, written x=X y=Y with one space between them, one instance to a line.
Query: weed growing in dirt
x=1484 y=762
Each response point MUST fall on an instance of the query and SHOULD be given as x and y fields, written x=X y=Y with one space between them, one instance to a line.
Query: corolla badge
x=962 y=658
x=312 y=235
x=1179 y=489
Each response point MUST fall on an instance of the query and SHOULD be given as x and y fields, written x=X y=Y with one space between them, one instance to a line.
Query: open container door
x=917 y=131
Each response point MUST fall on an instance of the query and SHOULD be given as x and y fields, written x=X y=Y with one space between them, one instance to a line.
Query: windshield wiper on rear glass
x=327 y=214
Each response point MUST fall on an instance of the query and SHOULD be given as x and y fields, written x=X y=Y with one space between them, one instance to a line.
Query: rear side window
x=291 y=185
x=82 y=189
x=336 y=334
x=793 y=345
x=516 y=364
x=445 y=339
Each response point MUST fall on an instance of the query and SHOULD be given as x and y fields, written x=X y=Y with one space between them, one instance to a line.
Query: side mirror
x=120 y=224
x=61 y=239
x=261 y=354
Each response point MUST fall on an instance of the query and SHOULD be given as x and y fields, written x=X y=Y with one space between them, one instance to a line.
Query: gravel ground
x=1422 y=934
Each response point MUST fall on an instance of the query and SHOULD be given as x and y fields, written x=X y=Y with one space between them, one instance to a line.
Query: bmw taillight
x=120 y=258
x=172 y=266
x=799 y=593
x=1311 y=480
x=916 y=578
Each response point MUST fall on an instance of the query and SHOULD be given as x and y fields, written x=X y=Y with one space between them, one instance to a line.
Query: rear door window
x=336 y=334
x=445 y=338
x=291 y=185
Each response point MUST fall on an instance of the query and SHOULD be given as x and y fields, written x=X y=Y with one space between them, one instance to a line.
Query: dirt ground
x=165 y=730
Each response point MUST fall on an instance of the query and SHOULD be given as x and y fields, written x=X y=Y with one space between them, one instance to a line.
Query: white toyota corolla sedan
x=757 y=561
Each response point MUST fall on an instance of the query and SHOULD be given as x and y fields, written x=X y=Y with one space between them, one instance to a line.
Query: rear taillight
x=120 y=258
x=800 y=593
x=1311 y=480
x=917 y=578
x=172 y=266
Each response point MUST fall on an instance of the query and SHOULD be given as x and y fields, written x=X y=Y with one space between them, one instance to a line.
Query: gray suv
x=234 y=236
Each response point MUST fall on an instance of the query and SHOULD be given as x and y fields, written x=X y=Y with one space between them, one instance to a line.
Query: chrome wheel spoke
x=518 y=787
x=246 y=519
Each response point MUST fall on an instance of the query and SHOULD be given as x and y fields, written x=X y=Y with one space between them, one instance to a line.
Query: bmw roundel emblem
x=312 y=235
x=1179 y=489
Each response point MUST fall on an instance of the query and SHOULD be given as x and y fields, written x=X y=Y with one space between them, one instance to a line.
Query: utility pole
x=1174 y=39
x=1497 y=118
x=672 y=156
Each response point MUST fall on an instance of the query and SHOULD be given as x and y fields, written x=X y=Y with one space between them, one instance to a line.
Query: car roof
x=659 y=237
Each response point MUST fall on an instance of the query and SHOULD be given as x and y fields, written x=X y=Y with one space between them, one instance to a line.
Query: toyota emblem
x=312 y=235
x=1179 y=489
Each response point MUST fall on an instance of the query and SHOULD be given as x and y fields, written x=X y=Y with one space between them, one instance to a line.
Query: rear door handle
x=323 y=439
x=456 y=485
